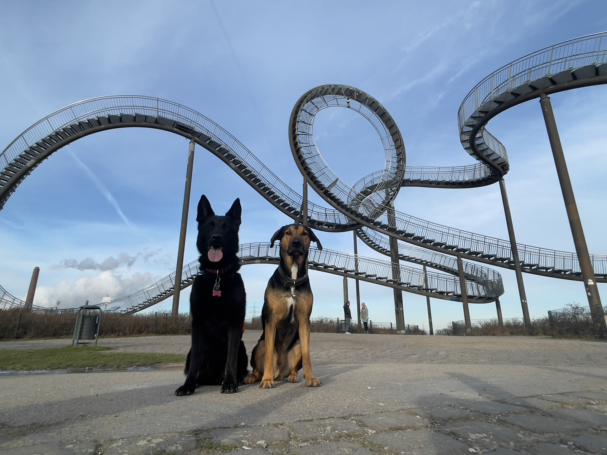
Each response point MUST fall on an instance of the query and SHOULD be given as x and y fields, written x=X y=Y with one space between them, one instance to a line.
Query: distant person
x=364 y=316
x=347 y=316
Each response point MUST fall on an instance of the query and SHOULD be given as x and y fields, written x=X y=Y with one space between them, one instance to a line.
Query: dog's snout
x=216 y=237
x=296 y=243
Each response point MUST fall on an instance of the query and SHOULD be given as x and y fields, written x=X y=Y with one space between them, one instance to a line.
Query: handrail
x=371 y=269
x=366 y=204
x=514 y=79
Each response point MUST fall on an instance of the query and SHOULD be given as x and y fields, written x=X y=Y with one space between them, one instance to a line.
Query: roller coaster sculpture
x=367 y=206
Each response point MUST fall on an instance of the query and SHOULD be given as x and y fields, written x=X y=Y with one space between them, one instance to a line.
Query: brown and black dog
x=285 y=342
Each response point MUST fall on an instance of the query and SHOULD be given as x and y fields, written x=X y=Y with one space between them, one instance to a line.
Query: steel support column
x=304 y=204
x=428 y=302
x=184 y=228
x=592 y=291
x=498 y=308
x=462 y=284
x=515 y=257
x=356 y=281
x=345 y=290
x=398 y=294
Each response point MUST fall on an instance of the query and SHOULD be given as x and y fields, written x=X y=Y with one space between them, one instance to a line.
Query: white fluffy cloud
x=110 y=263
x=92 y=289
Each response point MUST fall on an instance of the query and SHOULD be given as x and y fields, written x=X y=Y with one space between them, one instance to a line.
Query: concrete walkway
x=386 y=394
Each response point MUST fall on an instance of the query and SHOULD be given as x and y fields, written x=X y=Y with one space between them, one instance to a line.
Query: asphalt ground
x=380 y=394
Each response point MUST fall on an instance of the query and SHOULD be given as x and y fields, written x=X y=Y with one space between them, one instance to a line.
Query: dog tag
x=216 y=290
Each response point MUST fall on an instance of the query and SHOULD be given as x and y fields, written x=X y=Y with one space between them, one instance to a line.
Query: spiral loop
x=371 y=196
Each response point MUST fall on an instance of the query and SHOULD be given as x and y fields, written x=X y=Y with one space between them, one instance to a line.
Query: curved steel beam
x=365 y=205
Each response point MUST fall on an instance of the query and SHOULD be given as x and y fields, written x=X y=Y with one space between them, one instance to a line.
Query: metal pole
x=517 y=263
x=592 y=291
x=345 y=290
x=498 y=307
x=357 y=281
x=184 y=228
x=304 y=204
x=428 y=301
x=398 y=294
x=462 y=285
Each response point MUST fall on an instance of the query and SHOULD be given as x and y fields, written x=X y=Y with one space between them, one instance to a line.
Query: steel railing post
x=498 y=308
x=357 y=280
x=428 y=302
x=464 y=291
x=346 y=298
x=304 y=204
x=184 y=228
x=515 y=256
x=394 y=256
x=581 y=248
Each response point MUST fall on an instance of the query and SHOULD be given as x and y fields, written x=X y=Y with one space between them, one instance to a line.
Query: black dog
x=217 y=305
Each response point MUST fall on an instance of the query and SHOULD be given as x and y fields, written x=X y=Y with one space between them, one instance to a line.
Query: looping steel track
x=365 y=206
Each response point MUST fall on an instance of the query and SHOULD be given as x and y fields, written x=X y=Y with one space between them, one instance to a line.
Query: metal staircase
x=410 y=279
x=484 y=276
x=9 y=301
x=366 y=205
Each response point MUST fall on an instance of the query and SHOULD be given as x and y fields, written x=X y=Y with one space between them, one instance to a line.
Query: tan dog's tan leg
x=294 y=358
x=304 y=338
x=255 y=376
x=267 y=381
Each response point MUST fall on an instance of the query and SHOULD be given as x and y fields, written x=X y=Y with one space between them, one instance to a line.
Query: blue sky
x=102 y=216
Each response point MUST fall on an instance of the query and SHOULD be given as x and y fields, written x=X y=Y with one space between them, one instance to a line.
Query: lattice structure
x=365 y=206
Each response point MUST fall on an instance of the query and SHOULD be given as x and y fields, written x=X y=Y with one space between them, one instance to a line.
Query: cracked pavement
x=390 y=394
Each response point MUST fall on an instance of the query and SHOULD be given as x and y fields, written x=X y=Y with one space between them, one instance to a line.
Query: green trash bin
x=88 y=323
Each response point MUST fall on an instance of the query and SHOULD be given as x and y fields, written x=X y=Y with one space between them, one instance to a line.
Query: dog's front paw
x=267 y=384
x=293 y=377
x=183 y=391
x=251 y=379
x=312 y=382
x=229 y=388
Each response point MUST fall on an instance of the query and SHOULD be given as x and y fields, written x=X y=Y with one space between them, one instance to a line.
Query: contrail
x=245 y=81
x=102 y=188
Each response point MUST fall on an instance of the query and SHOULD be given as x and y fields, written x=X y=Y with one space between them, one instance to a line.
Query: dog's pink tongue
x=215 y=254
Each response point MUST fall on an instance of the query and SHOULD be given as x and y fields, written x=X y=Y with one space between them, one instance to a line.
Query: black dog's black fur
x=217 y=355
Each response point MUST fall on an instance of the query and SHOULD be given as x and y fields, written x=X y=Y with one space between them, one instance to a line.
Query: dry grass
x=323 y=325
x=79 y=357
x=330 y=325
x=573 y=321
x=53 y=325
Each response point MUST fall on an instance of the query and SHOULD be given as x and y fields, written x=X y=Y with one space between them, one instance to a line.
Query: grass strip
x=79 y=357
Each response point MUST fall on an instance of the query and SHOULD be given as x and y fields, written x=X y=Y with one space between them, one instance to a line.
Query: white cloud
x=110 y=263
x=92 y=289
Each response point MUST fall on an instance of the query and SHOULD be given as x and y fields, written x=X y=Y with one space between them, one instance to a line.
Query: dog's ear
x=314 y=238
x=204 y=209
x=235 y=212
x=278 y=235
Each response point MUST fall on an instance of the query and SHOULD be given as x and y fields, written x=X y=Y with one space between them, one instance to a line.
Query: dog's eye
x=211 y=225
x=304 y=233
x=288 y=233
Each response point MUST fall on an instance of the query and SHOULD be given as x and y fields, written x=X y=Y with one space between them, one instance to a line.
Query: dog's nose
x=216 y=237
x=296 y=243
